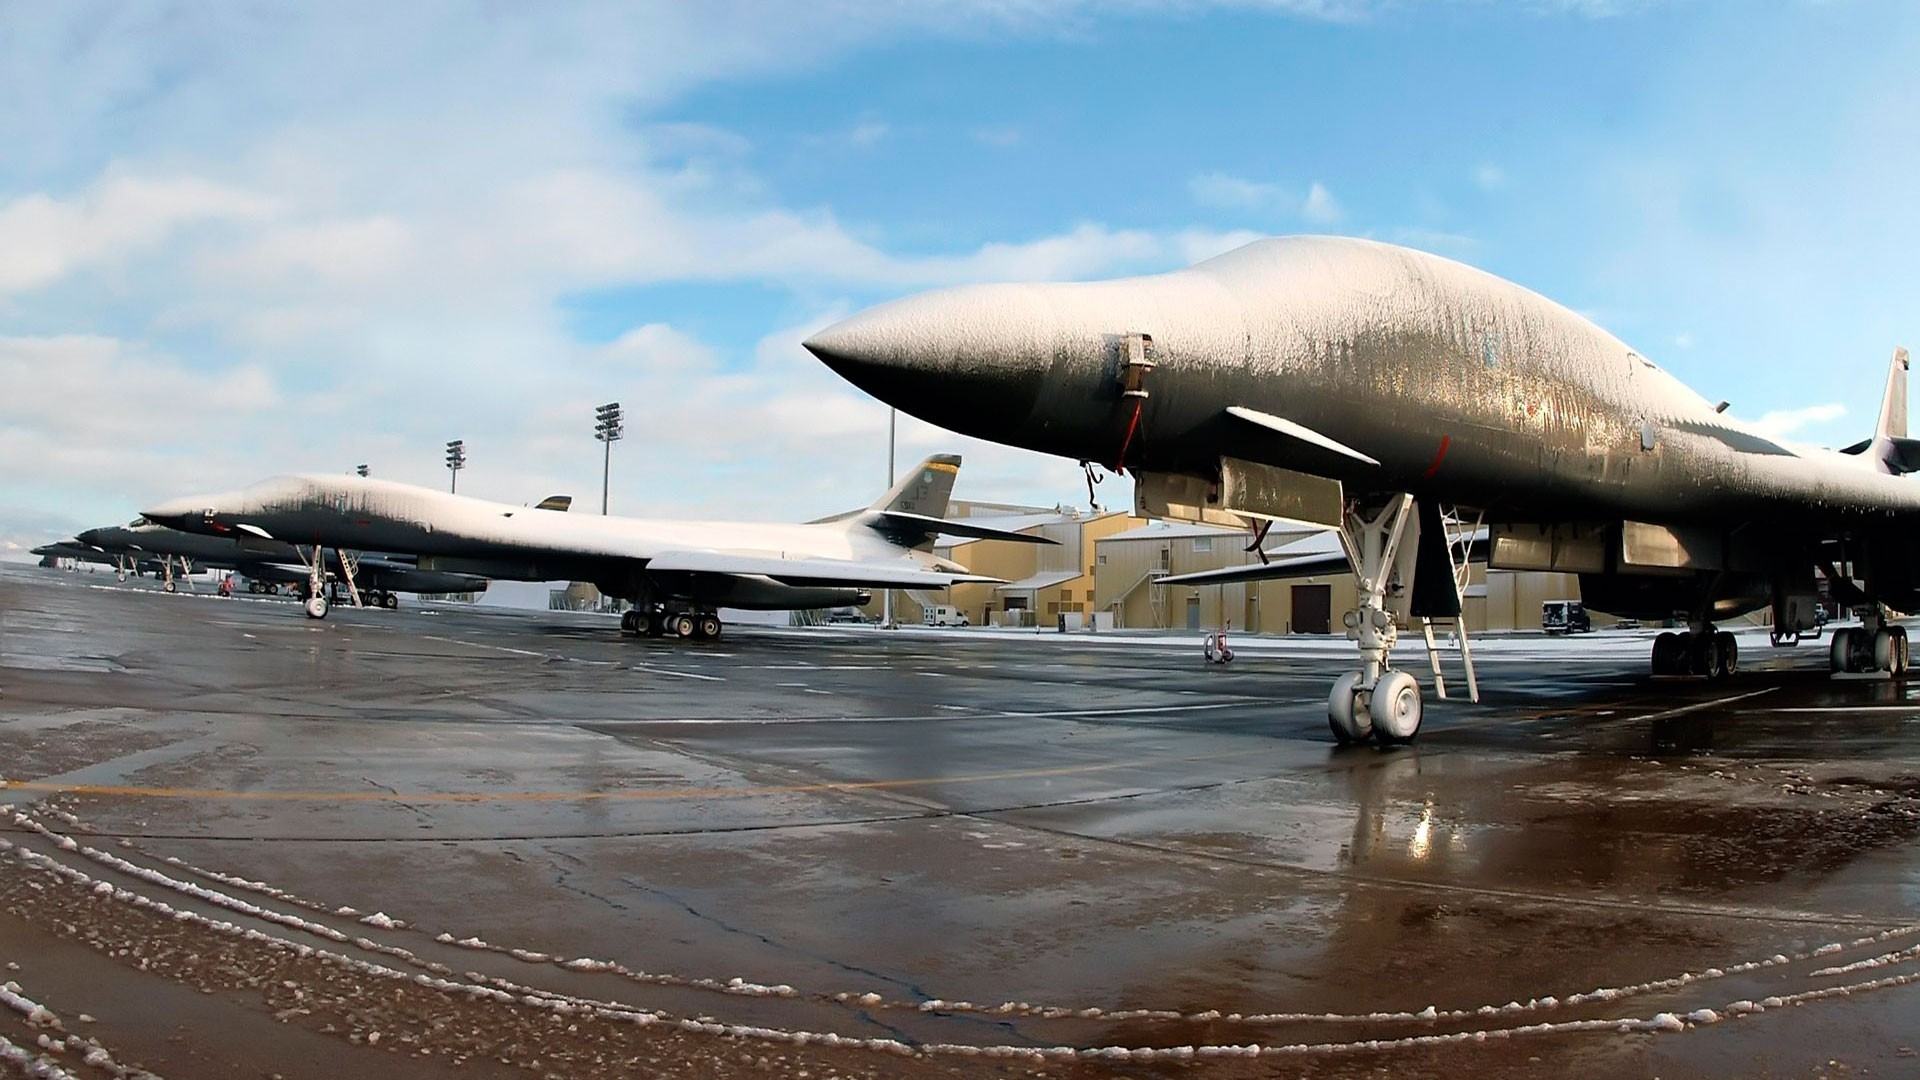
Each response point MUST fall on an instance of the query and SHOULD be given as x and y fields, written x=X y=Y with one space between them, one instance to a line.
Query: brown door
x=1313 y=609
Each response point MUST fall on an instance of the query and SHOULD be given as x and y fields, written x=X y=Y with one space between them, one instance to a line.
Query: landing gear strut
x=1376 y=701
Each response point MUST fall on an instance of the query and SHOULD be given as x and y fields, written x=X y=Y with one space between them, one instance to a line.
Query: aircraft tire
x=1900 y=650
x=389 y=601
x=708 y=628
x=170 y=587
x=317 y=607
x=1667 y=653
x=1729 y=648
x=1349 y=722
x=1886 y=651
x=1396 y=708
x=630 y=622
x=680 y=626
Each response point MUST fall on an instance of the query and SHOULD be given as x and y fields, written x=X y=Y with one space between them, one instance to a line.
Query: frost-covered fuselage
x=457 y=533
x=1442 y=380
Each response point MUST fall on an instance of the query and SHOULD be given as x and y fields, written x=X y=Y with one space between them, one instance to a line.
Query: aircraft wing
x=933 y=526
x=1309 y=564
x=806 y=571
x=1297 y=567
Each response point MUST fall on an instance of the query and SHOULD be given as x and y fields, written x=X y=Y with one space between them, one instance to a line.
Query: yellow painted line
x=361 y=796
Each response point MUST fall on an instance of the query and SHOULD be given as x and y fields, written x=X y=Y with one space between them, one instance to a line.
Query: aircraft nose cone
x=970 y=359
x=173 y=513
x=91 y=537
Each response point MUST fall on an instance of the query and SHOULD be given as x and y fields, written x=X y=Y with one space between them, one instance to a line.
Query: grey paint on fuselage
x=1389 y=350
x=271 y=560
x=1466 y=389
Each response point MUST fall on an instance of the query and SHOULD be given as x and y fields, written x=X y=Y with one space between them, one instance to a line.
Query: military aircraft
x=1400 y=398
x=74 y=551
x=376 y=577
x=676 y=573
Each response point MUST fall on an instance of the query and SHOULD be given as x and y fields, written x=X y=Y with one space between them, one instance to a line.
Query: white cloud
x=1320 y=207
x=1489 y=177
x=868 y=133
x=43 y=238
x=310 y=270
x=1227 y=192
x=1683 y=340
x=1782 y=423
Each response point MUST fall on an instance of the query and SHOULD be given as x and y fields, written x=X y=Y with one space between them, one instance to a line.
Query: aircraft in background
x=677 y=574
x=1400 y=397
x=376 y=578
x=76 y=551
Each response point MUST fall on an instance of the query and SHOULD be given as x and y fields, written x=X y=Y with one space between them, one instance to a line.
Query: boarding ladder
x=1460 y=534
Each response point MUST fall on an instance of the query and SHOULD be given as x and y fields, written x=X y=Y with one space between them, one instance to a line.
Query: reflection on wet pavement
x=952 y=853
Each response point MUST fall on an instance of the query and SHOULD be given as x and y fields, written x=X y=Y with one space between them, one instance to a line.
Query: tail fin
x=555 y=502
x=925 y=490
x=1893 y=407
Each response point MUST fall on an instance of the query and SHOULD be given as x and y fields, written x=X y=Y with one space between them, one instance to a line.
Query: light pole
x=456 y=460
x=886 y=598
x=607 y=428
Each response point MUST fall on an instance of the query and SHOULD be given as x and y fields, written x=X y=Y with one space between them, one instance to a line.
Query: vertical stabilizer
x=1893 y=407
x=926 y=489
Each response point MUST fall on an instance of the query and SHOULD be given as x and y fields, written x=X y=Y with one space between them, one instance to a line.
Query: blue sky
x=238 y=240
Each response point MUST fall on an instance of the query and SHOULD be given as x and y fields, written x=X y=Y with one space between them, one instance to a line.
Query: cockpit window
x=138 y=522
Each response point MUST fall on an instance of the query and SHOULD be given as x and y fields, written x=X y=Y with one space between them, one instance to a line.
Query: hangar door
x=1313 y=609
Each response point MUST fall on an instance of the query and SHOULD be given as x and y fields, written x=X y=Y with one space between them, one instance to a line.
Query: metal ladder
x=1460 y=533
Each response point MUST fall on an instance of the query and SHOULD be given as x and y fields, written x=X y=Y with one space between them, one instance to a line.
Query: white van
x=944 y=615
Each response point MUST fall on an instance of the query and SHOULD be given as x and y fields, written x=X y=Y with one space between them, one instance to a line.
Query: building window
x=1089 y=595
x=1203 y=545
x=1102 y=560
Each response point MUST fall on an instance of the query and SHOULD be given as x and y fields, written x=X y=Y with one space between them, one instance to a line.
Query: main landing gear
x=1375 y=702
x=1703 y=651
x=683 y=624
x=1871 y=647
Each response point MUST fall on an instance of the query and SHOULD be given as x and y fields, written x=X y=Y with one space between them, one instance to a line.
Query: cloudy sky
x=241 y=239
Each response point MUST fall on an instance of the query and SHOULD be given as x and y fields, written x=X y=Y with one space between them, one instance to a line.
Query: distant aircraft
x=676 y=573
x=74 y=550
x=1400 y=397
x=377 y=577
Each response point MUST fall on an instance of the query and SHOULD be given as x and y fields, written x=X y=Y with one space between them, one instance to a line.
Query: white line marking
x=1698 y=705
x=1914 y=707
x=483 y=645
x=677 y=674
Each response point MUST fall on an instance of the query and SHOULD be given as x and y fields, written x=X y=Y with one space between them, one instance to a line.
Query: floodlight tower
x=456 y=460
x=607 y=428
x=886 y=598
x=362 y=470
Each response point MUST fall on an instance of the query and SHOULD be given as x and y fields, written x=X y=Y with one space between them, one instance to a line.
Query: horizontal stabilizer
x=811 y=571
x=902 y=523
x=1280 y=425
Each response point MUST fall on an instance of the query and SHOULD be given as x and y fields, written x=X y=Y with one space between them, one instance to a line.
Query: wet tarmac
x=458 y=841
